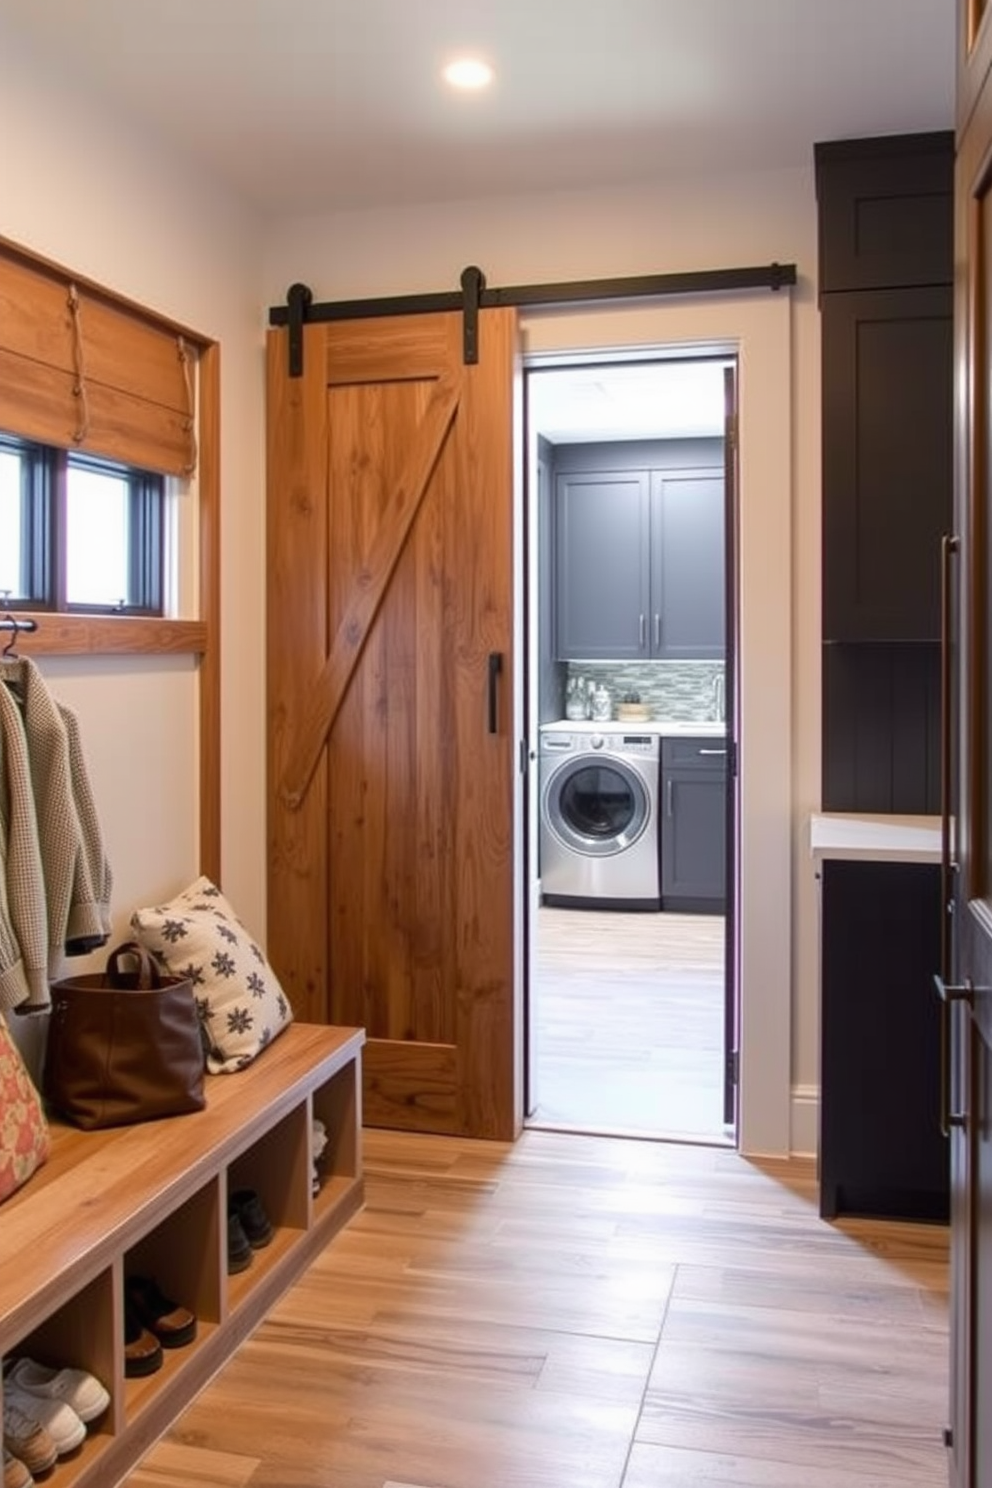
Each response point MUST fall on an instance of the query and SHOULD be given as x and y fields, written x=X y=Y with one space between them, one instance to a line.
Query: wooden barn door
x=390 y=693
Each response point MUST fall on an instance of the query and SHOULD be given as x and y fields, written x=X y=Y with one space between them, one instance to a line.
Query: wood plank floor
x=628 y=1019
x=585 y=1312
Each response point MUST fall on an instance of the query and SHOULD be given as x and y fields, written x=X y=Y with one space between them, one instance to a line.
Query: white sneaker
x=60 y=1421
x=82 y=1392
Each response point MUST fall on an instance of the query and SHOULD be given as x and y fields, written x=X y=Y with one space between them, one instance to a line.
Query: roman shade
x=85 y=370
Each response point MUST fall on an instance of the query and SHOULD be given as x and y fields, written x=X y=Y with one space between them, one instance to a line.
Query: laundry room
x=632 y=1010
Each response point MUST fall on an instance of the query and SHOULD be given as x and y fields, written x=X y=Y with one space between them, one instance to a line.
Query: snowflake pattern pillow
x=241 y=1004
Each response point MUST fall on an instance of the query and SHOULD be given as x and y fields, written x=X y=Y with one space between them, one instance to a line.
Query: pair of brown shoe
x=152 y=1322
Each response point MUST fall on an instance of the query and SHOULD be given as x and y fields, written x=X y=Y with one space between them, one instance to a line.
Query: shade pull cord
x=79 y=363
x=189 y=424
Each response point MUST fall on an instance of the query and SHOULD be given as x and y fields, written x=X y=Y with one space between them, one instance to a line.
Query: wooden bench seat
x=151 y=1199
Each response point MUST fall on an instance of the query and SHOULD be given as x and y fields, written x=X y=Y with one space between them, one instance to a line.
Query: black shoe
x=239 y=1251
x=254 y=1221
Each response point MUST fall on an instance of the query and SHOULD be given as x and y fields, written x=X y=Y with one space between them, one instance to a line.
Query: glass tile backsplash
x=670 y=689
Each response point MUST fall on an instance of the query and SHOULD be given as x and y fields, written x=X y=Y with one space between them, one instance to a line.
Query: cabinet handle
x=642 y=630
x=964 y=992
x=668 y=798
x=495 y=667
x=657 y=630
x=712 y=751
x=949 y=547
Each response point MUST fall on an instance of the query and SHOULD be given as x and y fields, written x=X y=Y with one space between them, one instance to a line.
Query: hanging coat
x=56 y=881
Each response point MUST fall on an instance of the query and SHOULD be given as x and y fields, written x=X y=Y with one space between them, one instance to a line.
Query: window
x=78 y=533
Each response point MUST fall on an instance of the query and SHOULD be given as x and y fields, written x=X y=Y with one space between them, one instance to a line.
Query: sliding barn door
x=390 y=688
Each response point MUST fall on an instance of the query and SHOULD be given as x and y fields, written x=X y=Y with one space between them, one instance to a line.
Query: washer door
x=596 y=806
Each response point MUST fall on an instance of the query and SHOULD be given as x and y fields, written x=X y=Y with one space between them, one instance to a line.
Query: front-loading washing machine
x=599 y=795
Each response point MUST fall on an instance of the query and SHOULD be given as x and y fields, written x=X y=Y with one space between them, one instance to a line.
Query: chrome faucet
x=718 y=702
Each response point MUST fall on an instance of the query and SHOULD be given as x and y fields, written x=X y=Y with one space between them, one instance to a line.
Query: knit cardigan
x=55 y=881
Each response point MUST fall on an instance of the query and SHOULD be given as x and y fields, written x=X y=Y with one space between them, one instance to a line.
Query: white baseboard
x=804 y=1120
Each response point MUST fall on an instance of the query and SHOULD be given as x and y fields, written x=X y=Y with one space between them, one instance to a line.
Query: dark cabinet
x=886 y=319
x=639 y=565
x=886 y=211
x=881 y=1151
x=694 y=825
x=887 y=358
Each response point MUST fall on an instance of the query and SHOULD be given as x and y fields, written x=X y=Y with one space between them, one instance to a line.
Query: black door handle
x=495 y=667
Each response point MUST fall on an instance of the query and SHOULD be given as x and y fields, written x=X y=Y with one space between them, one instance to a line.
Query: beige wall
x=81 y=189
x=87 y=191
x=682 y=225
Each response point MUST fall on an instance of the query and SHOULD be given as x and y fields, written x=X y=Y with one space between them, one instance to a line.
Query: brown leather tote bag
x=123 y=1045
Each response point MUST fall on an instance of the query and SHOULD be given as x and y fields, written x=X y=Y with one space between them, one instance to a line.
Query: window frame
x=44 y=526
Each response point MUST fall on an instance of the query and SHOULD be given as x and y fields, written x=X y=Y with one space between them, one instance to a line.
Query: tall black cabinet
x=885 y=274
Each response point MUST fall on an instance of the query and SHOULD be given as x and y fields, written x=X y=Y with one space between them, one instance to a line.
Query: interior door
x=390 y=701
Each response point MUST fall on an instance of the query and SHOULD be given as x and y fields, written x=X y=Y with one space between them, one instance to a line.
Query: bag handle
x=149 y=978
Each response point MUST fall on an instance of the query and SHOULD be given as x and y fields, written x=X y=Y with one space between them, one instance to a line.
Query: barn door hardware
x=475 y=296
x=299 y=298
x=473 y=283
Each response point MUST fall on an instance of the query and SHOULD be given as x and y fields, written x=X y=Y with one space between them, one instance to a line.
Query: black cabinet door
x=694 y=825
x=687 y=565
x=887 y=461
x=602 y=574
x=886 y=211
x=881 y=1151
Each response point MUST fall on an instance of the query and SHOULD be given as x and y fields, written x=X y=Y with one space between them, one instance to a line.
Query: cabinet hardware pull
x=495 y=667
x=949 y=548
x=657 y=629
x=643 y=630
x=712 y=751
x=668 y=798
x=950 y=994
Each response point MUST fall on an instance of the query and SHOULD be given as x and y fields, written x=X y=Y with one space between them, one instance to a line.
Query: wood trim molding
x=209 y=579
x=109 y=635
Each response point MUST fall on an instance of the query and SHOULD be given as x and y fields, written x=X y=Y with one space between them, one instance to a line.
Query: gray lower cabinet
x=639 y=565
x=693 y=825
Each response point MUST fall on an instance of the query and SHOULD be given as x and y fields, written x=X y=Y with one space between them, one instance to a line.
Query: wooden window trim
x=60 y=634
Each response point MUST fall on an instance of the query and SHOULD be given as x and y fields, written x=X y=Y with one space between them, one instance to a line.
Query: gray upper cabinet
x=687 y=565
x=639 y=565
x=602 y=569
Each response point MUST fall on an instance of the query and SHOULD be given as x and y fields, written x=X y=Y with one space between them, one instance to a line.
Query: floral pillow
x=24 y=1135
x=197 y=935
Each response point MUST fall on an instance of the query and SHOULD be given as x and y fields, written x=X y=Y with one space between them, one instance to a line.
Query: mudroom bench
x=151 y=1200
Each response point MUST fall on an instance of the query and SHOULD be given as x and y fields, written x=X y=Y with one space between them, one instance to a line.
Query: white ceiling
x=632 y=400
x=308 y=105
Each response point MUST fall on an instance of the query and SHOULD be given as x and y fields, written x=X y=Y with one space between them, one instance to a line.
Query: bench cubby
x=151 y=1200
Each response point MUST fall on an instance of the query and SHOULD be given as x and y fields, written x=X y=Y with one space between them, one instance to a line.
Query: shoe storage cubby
x=182 y=1256
x=151 y=1201
x=276 y=1168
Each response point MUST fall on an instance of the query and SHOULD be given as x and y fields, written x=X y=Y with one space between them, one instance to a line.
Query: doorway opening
x=631 y=816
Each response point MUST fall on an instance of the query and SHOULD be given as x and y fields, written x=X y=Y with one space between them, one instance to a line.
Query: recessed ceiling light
x=468 y=73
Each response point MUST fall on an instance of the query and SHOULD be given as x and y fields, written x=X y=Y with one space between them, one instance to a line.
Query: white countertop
x=667 y=728
x=877 y=838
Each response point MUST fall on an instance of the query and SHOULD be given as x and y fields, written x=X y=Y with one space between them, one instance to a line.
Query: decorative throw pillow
x=24 y=1135
x=241 y=1004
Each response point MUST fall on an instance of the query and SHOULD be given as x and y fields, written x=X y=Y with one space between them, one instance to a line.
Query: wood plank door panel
x=391 y=771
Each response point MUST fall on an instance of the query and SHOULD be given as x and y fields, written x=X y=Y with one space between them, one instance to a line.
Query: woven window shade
x=82 y=370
